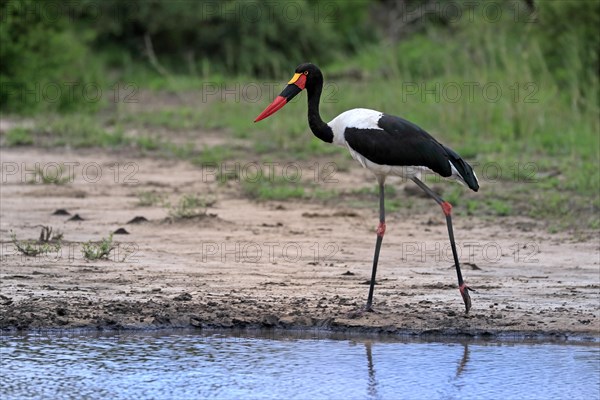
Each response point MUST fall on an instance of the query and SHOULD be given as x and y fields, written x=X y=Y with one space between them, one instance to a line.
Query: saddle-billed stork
x=386 y=145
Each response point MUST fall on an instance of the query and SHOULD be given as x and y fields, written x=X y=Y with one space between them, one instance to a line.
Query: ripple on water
x=219 y=366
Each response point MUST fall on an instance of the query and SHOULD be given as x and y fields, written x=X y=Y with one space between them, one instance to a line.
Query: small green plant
x=46 y=244
x=50 y=174
x=189 y=206
x=99 y=250
x=19 y=137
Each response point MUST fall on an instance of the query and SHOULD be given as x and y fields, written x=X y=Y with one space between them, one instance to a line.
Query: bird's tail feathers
x=464 y=170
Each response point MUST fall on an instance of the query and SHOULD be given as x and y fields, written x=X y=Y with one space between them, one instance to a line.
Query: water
x=190 y=365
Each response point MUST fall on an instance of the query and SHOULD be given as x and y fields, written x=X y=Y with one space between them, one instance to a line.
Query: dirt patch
x=294 y=264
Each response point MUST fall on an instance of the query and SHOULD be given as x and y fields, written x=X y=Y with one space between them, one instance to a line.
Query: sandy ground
x=292 y=264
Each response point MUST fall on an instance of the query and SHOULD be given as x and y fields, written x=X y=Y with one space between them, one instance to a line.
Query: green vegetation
x=214 y=155
x=500 y=207
x=181 y=118
x=77 y=130
x=60 y=56
x=98 y=250
x=517 y=95
x=18 y=137
x=203 y=37
x=32 y=249
x=277 y=188
x=264 y=187
x=47 y=243
x=42 y=59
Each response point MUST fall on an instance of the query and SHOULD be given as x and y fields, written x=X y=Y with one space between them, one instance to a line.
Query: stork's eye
x=305 y=72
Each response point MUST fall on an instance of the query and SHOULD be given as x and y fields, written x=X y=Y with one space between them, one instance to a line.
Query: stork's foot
x=464 y=292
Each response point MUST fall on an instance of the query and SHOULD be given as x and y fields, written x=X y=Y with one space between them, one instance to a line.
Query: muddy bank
x=239 y=313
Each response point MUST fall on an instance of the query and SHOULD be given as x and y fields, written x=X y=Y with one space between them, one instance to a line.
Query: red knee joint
x=381 y=229
x=446 y=208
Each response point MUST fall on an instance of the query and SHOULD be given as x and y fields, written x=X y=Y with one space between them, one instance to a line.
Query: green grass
x=213 y=155
x=148 y=143
x=276 y=188
x=18 y=137
x=173 y=118
x=81 y=131
x=75 y=130
x=535 y=148
x=500 y=208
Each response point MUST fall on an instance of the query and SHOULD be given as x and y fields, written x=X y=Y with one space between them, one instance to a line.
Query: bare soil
x=289 y=264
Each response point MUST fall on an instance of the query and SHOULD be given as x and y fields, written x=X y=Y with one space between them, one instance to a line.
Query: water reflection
x=372 y=386
x=464 y=360
x=192 y=365
x=372 y=379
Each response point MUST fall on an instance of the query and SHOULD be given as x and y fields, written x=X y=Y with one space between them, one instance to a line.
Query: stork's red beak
x=295 y=86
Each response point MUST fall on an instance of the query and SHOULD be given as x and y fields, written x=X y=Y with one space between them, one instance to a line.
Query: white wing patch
x=361 y=118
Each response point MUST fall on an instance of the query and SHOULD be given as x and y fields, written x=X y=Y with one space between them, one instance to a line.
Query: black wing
x=399 y=142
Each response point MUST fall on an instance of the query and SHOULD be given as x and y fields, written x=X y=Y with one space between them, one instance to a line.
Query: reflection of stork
x=372 y=388
x=464 y=360
x=386 y=145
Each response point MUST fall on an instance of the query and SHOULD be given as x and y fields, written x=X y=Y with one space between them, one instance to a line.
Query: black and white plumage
x=390 y=145
x=386 y=145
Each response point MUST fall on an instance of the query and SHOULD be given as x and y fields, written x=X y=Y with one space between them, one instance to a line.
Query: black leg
x=447 y=208
x=380 y=233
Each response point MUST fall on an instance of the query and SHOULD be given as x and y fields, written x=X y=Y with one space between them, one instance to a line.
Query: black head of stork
x=307 y=76
x=386 y=145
